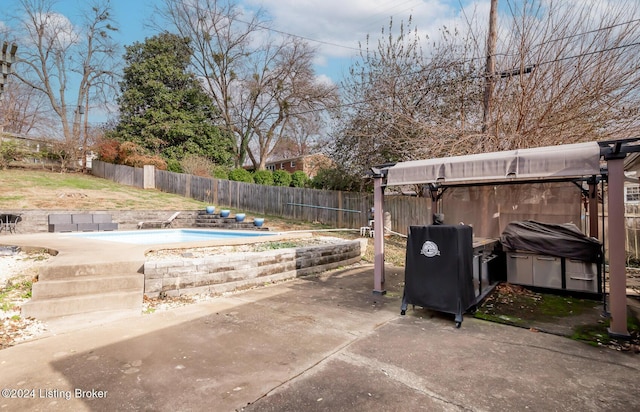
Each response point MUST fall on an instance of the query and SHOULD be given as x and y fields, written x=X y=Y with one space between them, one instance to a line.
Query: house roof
x=289 y=159
x=545 y=163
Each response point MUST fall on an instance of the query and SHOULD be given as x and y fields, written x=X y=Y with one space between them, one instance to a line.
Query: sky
x=334 y=27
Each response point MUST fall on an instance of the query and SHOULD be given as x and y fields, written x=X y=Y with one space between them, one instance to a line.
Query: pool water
x=154 y=237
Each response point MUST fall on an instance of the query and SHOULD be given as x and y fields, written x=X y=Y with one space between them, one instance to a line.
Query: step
x=229 y=220
x=86 y=285
x=44 y=309
x=74 y=271
x=242 y=225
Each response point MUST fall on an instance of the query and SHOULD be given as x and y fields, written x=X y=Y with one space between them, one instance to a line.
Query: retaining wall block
x=152 y=286
x=223 y=273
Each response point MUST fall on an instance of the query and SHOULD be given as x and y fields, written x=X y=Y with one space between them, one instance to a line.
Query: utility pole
x=490 y=67
x=7 y=58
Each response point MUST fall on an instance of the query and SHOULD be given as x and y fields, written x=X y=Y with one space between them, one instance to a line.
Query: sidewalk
x=319 y=343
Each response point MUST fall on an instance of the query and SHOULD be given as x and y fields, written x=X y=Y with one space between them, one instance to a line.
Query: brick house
x=309 y=164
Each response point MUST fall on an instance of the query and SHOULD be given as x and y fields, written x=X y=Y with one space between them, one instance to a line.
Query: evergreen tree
x=163 y=108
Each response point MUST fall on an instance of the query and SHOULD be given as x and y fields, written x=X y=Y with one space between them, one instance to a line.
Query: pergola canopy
x=549 y=162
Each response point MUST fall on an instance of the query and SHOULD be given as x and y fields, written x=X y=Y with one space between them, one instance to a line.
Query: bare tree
x=64 y=63
x=565 y=72
x=302 y=137
x=401 y=104
x=24 y=111
x=568 y=74
x=260 y=83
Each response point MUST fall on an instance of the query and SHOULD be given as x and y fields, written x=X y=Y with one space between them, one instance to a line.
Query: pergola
x=590 y=162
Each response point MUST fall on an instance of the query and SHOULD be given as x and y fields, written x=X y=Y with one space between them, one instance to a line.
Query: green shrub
x=335 y=179
x=281 y=178
x=240 y=175
x=174 y=166
x=220 y=172
x=10 y=151
x=263 y=177
x=299 y=179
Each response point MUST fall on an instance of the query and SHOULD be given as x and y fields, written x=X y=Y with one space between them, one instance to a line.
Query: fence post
x=149 y=177
x=339 y=207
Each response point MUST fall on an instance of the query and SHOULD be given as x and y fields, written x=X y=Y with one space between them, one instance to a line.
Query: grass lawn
x=41 y=189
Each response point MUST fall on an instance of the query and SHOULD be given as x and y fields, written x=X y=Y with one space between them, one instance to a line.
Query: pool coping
x=245 y=236
x=66 y=249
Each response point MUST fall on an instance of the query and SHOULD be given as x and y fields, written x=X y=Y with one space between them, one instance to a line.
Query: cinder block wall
x=225 y=273
x=35 y=221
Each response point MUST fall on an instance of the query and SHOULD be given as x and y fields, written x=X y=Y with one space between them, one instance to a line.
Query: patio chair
x=9 y=221
x=158 y=223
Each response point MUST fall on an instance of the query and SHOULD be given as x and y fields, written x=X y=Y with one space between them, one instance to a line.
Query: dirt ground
x=579 y=317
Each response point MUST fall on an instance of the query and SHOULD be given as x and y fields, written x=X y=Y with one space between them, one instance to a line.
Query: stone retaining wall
x=228 y=272
x=35 y=221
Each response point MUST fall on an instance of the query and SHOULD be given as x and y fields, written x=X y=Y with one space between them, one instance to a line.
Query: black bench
x=81 y=222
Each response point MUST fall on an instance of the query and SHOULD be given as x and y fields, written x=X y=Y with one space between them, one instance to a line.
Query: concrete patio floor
x=322 y=343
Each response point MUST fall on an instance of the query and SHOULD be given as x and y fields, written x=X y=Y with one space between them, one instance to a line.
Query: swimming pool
x=156 y=237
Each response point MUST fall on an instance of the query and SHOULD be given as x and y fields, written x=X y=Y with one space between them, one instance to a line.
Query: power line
x=420 y=3
x=589 y=32
x=623 y=46
x=263 y=27
x=469 y=60
x=528 y=69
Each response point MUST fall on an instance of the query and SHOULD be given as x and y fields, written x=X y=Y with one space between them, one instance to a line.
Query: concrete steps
x=80 y=270
x=86 y=289
x=45 y=309
x=215 y=221
x=86 y=285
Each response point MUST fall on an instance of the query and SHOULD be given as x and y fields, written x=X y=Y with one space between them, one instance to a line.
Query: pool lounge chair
x=8 y=222
x=158 y=223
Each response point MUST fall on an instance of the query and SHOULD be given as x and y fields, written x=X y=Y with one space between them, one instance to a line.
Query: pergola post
x=378 y=236
x=593 y=208
x=616 y=236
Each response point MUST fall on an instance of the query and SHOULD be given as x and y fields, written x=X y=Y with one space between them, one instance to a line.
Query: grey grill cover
x=561 y=240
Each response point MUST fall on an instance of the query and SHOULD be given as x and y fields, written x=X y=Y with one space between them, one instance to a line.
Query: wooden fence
x=126 y=175
x=334 y=208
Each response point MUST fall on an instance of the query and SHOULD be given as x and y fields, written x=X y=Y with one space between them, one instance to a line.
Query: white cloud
x=325 y=80
x=58 y=27
x=339 y=25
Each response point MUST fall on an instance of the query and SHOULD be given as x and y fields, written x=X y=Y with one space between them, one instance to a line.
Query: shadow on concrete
x=322 y=343
x=230 y=358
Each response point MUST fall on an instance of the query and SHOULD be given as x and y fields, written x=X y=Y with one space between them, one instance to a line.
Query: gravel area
x=17 y=270
x=19 y=265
